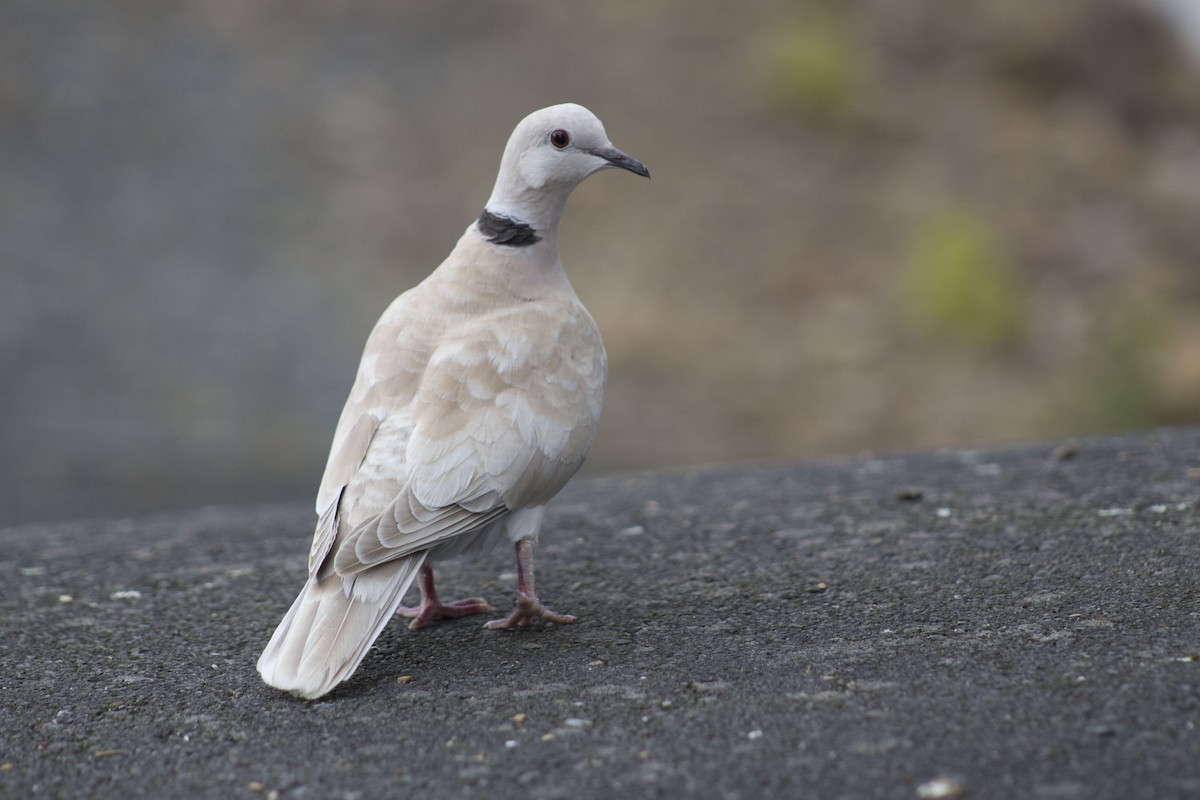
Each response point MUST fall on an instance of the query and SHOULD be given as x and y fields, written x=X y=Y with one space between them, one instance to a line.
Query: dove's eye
x=560 y=138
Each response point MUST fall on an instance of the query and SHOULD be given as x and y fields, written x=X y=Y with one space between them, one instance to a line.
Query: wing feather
x=497 y=423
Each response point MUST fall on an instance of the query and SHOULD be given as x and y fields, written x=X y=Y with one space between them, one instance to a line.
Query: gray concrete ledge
x=1020 y=622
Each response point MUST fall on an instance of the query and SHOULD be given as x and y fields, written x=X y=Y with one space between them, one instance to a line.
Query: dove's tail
x=331 y=626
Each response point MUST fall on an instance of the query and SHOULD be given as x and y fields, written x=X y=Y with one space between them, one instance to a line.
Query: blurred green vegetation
x=816 y=65
x=1122 y=392
x=958 y=285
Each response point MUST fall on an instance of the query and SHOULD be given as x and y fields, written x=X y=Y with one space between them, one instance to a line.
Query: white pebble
x=939 y=789
x=1114 y=512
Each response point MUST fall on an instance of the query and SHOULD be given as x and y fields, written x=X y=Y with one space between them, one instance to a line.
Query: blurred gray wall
x=205 y=205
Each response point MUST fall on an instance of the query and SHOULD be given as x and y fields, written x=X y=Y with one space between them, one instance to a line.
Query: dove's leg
x=528 y=607
x=431 y=608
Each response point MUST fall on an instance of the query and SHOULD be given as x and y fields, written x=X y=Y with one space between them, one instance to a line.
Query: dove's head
x=561 y=145
x=549 y=153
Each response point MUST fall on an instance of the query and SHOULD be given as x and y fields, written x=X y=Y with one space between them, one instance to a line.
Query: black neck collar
x=506 y=231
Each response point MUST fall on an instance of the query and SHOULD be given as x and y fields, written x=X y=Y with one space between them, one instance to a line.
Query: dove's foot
x=528 y=607
x=526 y=611
x=432 y=608
x=425 y=613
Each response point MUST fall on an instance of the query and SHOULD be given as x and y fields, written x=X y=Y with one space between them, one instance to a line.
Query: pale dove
x=477 y=398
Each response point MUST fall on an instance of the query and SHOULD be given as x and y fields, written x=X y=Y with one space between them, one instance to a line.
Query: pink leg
x=431 y=608
x=528 y=607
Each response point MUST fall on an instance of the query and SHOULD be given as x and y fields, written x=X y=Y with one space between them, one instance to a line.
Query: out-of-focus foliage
x=958 y=285
x=1123 y=390
x=816 y=65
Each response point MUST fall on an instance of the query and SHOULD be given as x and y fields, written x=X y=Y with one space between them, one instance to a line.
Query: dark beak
x=618 y=159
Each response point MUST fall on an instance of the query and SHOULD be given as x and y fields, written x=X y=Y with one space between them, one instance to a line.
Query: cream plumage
x=477 y=398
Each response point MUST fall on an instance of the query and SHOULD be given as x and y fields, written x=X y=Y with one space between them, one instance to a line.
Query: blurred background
x=873 y=226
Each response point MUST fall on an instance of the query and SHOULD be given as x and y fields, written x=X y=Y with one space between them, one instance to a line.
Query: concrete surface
x=1019 y=622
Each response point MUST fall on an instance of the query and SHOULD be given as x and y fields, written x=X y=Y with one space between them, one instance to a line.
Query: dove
x=477 y=398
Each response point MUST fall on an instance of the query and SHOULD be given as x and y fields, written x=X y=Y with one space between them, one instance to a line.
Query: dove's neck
x=520 y=215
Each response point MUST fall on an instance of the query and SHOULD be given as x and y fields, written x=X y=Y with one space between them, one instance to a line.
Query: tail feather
x=328 y=630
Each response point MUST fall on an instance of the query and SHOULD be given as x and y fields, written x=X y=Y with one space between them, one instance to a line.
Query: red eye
x=560 y=138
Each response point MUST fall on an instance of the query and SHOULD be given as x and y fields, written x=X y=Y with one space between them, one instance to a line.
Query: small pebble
x=752 y=735
x=65 y=598
x=520 y=718
x=939 y=789
x=1116 y=511
x=1065 y=452
x=404 y=679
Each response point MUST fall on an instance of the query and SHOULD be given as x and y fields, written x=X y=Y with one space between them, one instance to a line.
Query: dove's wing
x=503 y=416
x=374 y=419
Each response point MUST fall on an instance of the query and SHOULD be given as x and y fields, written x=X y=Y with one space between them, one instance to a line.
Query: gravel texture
x=1020 y=622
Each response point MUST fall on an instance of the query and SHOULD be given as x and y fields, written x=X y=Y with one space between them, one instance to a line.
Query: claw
x=526 y=611
x=432 y=608
x=528 y=607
